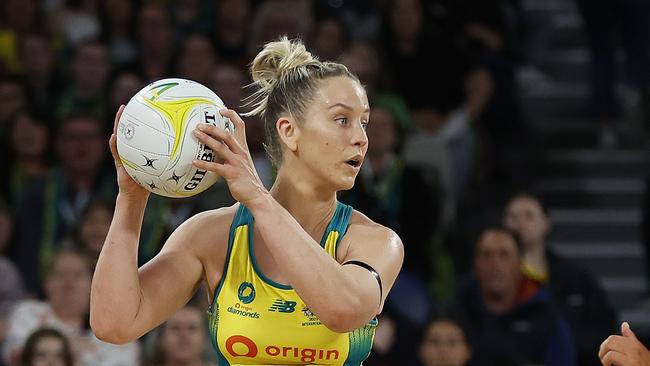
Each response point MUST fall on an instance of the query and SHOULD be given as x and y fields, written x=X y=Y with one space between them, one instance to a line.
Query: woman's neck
x=535 y=257
x=310 y=206
x=68 y=315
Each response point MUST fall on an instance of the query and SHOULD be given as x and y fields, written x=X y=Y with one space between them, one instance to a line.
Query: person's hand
x=236 y=166
x=624 y=350
x=128 y=187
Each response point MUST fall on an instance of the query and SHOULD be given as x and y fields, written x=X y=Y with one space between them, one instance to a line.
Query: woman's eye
x=364 y=124
x=341 y=120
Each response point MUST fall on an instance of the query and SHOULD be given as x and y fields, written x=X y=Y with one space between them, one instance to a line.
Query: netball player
x=295 y=277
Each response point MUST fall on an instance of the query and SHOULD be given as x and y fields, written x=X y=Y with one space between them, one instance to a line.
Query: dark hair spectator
x=182 y=339
x=93 y=227
x=578 y=294
x=51 y=207
x=67 y=288
x=30 y=155
x=46 y=347
x=155 y=42
x=90 y=71
x=118 y=23
x=445 y=342
x=197 y=58
x=42 y=76
x=232 y=30
x=497 y=300
x=329 y=38
x=13 y=94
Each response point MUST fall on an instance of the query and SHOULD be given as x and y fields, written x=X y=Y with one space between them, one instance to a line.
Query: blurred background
x=488 y=117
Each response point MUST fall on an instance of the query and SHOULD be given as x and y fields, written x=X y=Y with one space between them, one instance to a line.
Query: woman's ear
x=288 y=132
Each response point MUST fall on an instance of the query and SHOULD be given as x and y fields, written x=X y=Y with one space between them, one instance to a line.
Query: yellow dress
x=256 y=321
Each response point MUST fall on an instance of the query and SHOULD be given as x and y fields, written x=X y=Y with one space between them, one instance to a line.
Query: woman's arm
x=126 y=302
x=344 y=297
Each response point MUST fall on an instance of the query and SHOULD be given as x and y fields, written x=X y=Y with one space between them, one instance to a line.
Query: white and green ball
x=155 y=140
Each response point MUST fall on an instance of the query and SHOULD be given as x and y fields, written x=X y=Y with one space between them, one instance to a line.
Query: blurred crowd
x=449 y=161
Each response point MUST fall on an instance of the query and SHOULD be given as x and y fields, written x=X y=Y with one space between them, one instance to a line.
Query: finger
x=612 y=343
x=240 y=126
x=221 y=149
x=222 y=135
x=118 y=115
x=626 y=331
x=614 y=358
x=220 y=169
x=112 y=144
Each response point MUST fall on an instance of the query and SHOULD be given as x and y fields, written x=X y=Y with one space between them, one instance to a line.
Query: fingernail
x=201 y=126
x=197 y=133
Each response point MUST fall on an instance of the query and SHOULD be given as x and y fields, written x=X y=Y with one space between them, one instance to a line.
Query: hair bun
x=278 y=61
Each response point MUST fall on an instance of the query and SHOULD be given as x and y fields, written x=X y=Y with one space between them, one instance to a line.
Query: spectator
x=75 y=21
x=29 y=143
x=445 y=343
x=197 y=59
x=124 y=86
x=67 y=288
x=118 y=30
x=42 y=77
x=232 y=26
x=512 y=318
x=155 y=42
x=12 y=289
x=580 y=298
x=90 y=72
x=93 y=227
x=17 y=18
x=329 y=38
x=14 y=98
x=279 y=17
x=51 y=207
x=46 y=347
x=191 y=16
x=183 y=339
x=227 y=81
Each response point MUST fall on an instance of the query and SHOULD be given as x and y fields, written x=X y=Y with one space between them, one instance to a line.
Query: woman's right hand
x=128 y=187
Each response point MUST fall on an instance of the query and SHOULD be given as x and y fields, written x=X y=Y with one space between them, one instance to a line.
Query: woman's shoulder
x=364 y=227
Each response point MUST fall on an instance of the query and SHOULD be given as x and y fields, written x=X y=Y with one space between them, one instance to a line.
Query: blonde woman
x=294 y=276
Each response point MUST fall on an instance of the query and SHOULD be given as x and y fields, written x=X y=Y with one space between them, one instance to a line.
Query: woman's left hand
x=236 y=166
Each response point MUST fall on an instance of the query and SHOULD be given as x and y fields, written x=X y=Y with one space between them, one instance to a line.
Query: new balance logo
x=283 y=306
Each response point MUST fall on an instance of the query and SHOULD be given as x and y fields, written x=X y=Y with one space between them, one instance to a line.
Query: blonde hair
x=286 y=77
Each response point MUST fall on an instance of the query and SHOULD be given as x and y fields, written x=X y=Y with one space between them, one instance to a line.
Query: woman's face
x=525 y=216
x=94 y=228
x=68 y=283
x=406 y=18
x=444 y=345
x=49 y=351
x=331 y=142
x=183 y=339
x=29 y=139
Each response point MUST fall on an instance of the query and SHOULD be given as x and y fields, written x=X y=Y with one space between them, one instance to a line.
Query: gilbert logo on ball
x=155 y=140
